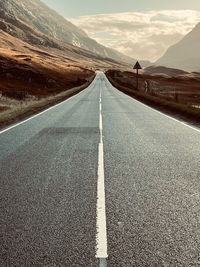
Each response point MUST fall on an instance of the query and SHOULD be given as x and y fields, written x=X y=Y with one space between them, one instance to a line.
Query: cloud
x=142 y=35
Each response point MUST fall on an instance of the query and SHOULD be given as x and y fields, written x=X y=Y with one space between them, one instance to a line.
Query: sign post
x=137 y=67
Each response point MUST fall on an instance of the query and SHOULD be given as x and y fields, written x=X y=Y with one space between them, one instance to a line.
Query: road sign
x=137 y=67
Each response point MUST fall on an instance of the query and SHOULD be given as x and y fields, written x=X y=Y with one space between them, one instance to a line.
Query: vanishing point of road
x=100 y=180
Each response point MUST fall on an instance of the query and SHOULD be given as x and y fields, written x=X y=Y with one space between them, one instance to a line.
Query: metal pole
x=137 y=80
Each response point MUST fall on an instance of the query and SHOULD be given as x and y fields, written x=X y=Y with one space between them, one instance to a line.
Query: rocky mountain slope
x=47 y=21
x=16 y=34
x=185 y=54
x=39 y=64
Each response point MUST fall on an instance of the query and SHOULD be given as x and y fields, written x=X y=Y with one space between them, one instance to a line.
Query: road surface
x=98 y=180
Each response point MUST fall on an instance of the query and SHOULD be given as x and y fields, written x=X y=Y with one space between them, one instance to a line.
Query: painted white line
x=169 y=117
x=34 y=116
x=101 y=235
x=100 y=120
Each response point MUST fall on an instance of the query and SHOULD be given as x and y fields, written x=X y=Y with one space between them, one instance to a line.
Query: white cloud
x=144 y=35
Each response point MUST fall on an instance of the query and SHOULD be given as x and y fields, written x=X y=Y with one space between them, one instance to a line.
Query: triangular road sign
x=137 y=66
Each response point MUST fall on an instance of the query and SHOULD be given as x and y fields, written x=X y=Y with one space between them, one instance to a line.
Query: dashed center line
x=101 y=235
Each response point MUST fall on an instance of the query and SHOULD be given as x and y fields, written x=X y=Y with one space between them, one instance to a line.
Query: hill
x=185 y=54
x=47 y=21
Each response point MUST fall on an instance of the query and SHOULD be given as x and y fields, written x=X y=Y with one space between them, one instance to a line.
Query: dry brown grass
x=15 y=110
x=183 y=89
x=39 y=75
x=185 y=112
x=46 y=78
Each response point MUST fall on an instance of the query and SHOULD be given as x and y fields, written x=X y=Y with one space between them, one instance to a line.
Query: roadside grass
x=22 y=109
x=44 y=80
x=185 y=112
x=3 y=108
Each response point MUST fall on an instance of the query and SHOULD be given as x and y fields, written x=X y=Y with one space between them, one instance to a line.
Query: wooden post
x=137 y=80
x=137 y=67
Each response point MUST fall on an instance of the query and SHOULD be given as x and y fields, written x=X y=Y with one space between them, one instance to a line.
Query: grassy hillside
x=43 y=80
x=160 y=92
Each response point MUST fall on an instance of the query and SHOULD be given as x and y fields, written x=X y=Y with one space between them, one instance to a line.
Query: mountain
x=185 y=54
x=163 y=71
x=39 y=64
x=47 y=21
x=27 y=38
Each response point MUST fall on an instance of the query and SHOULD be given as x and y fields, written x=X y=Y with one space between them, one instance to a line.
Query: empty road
x=97 y=180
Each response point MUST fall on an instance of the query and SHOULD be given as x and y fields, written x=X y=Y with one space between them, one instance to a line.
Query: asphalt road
x=49 y=175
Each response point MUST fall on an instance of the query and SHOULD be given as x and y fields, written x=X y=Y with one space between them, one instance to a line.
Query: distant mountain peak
x=185 y=54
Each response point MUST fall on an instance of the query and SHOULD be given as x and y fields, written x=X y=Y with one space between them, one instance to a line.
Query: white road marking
x=101 y=235
x=32 y=117
x=172 y=118
x=169 y=117
x=100 y=120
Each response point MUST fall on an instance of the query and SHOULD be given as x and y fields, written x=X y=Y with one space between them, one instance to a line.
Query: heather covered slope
x=47 y=21
x=40 y=66
x=19 y=19
x=30 y=36
x=39 y=75
x=43 y=77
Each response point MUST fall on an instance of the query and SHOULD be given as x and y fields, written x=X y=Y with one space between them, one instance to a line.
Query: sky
x=142 y=29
